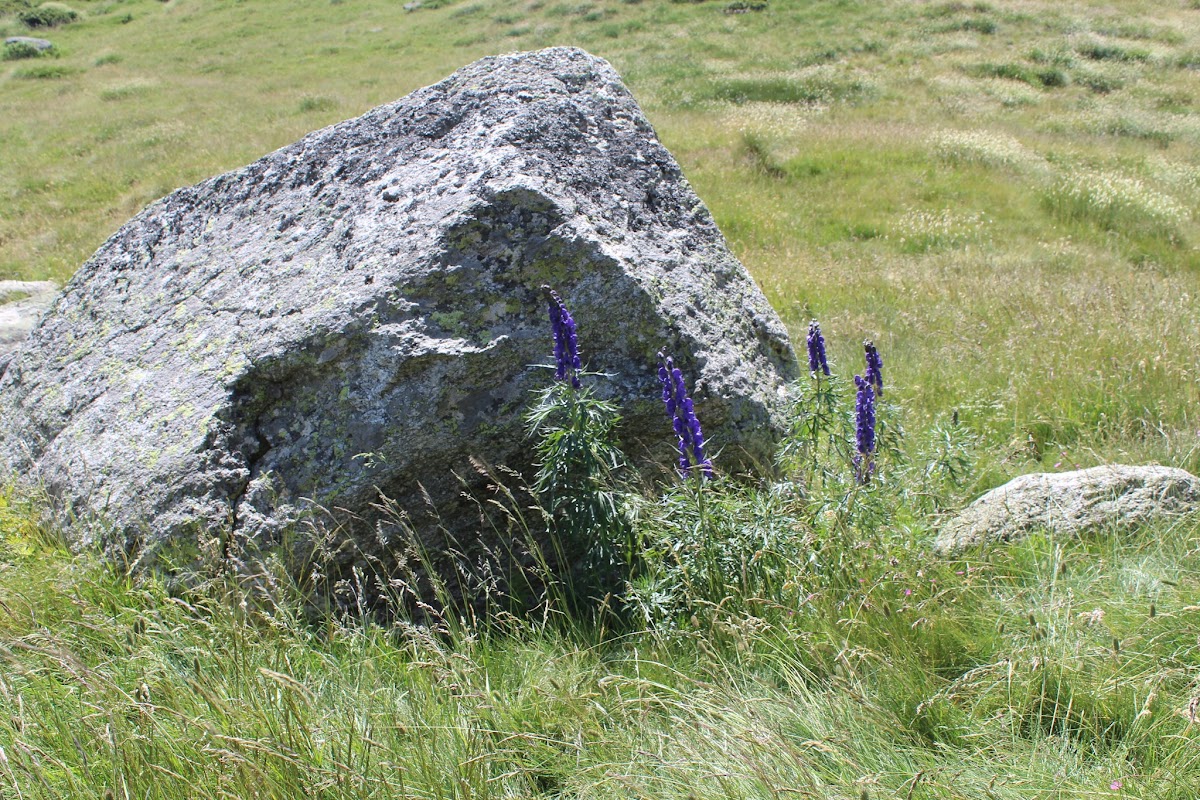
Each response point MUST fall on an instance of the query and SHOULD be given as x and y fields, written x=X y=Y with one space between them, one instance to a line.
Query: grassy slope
x=1037 y=671
x=1024 y=253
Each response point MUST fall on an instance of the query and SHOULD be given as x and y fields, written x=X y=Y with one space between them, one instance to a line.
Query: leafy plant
x=18 y=50
x=578 y=470
x=577 y=483
x=48 y=15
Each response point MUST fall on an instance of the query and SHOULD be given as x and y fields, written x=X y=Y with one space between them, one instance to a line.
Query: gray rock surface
x=1067 y=503
x=360 y=312
x=41 y=45
x=21 y=304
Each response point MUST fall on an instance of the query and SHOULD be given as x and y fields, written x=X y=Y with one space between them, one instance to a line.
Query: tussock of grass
x=813 y=86
x=922 y=231
x=1101 y=51
x=984 y=147
x=316 y=103
x=45 y=71
x=1118 y=203
x=124 y=91
x=1044 y=77
x=47 y=15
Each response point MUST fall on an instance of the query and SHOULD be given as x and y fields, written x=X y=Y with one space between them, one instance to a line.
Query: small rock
x=21 y=304
x=1068 y=503
x=41 y=45
x=745 y=6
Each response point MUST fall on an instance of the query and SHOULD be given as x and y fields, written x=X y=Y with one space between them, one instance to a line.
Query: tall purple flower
x=682 y=412
x=816 y=349
x=566 y=342
x=874 y=374
x=864 y=429
x=665 y=367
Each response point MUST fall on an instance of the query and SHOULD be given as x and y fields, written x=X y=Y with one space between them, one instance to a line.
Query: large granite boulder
x=360 y=313
x=1068 y=503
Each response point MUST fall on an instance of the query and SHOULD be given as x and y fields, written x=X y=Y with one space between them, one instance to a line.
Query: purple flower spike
x=682 y=412
x=566 y=341
x=864 y=429
x=874 y=375
x=816 y=349
x=665 y=368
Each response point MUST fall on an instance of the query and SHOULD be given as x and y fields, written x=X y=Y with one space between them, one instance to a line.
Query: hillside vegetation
x=1002 y=195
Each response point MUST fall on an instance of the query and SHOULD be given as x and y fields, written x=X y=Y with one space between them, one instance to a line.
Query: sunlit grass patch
x=1157 y=126
x=779 y=120
x=1140 y=31
x=1059 y=55
x=1118 y=203
x=1107 y=51
x=45 y=72
x=1188 y=60
x=818 y=85
x=166 y=133
x=990 y=148
x=135 y=87
x=1046 y=77
x=47 y=15
x=1008 y=95
x=918 y=231
x=311 y=103
x=1098 y=81
x=984 y=25
x=1178 y=174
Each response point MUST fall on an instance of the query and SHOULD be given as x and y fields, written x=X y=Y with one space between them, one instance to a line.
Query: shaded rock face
x=360 y=312
x=1067 y=503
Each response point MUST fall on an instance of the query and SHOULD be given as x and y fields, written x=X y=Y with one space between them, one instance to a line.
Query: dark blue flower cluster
x=566 y=342
x=864 y=429
x=874 y=375
x=816 y=349
x=683 y=417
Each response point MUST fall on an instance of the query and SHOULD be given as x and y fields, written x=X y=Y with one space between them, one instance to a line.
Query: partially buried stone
x=358 y=314
x=1068 y=503
x=40 y=45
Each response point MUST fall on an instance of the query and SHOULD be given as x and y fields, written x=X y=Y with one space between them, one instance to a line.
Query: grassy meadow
x=1002 y=195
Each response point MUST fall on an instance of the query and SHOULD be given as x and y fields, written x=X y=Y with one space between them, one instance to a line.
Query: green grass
x=1001 y=196
x=1038 y=670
